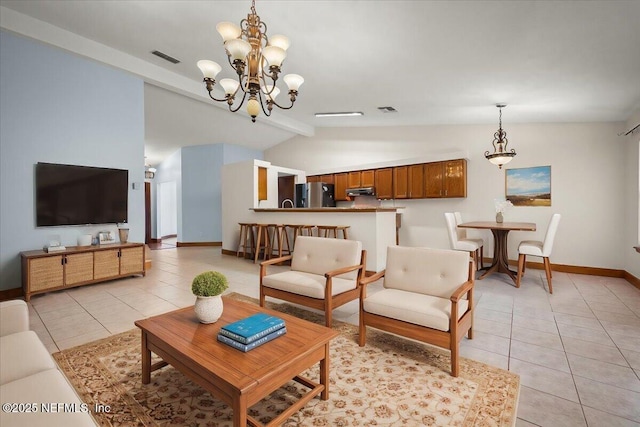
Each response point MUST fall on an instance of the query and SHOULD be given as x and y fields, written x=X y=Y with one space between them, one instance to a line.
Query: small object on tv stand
x=106 y=237
x=59 y=248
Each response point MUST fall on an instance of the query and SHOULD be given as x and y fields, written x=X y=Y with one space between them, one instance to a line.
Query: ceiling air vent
x=165 y=57
x=387 y=109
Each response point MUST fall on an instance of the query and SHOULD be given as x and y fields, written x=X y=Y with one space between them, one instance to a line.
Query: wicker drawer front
x=132 y=260
x=45 y=273
x=78 y=268
x=106 y=264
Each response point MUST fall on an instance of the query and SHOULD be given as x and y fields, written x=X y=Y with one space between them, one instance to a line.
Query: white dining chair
x=473 y=246
x=539 y=249
x=462 y=235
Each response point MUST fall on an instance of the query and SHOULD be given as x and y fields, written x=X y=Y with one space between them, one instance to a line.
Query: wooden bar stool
x=263 y=238
x=279 y=236
x=326 y=230
x=246 y=243
x=344 y=229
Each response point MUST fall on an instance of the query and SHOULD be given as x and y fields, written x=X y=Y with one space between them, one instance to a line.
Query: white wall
x=632 y=221
x=59 y=108
x=587 y=180
x=167 y=209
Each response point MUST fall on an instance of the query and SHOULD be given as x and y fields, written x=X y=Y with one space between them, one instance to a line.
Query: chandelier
x=500 y=155
x=256 y=60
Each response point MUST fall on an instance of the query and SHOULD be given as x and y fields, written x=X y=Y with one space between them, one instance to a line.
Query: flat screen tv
x=80 y=195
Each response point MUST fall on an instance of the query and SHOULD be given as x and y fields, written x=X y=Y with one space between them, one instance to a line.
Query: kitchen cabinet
x=446 y=179
x=340 y=186
x=384 y=183
x=262 y=183
x=327 y=179
x=400 y=182
x=367 y=178
x=416 y=181
x=314 y=178
x=353 y=180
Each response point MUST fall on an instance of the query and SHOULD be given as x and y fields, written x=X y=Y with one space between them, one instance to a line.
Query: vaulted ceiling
x=435 y=62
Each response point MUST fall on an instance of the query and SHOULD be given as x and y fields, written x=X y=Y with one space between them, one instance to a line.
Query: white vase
x=208 y=309
x=499 y=217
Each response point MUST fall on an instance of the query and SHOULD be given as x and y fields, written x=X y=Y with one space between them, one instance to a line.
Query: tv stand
x=78 y=266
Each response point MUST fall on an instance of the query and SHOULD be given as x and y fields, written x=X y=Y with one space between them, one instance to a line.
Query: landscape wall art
x=528 y=186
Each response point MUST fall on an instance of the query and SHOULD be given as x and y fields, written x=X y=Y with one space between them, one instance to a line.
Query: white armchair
x=427 y=296
x=324 y=274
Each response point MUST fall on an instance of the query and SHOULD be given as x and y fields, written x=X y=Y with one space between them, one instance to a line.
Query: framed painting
x=528 y=186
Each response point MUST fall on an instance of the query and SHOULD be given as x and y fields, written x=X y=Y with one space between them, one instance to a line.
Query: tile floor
x=577 y=351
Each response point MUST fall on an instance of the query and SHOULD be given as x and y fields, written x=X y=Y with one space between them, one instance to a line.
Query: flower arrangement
x=502 y=205
x=209 y=283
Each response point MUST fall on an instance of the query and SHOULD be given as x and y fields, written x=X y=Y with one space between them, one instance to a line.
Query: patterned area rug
x=391 y=381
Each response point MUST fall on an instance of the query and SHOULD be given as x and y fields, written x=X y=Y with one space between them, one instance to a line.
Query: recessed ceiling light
x=387 y=109
x=342 y=114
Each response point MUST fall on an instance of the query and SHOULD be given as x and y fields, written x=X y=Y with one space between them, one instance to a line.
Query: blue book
x=251 y=328
x=246 y=347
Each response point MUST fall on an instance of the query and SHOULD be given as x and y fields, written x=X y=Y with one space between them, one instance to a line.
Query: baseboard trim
x=188 y=244
x=155 y=241
x=12 y=293
x=169 y=236
x=632 y=279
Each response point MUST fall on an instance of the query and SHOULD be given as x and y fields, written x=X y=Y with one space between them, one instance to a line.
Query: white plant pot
x=208 y=309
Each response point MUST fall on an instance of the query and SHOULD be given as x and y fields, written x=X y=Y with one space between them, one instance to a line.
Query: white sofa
x=30 y=382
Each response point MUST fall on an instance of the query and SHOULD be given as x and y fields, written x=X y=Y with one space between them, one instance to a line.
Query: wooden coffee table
x=240 y=379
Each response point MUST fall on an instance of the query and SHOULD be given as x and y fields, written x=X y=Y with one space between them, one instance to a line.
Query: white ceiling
x=436 y=62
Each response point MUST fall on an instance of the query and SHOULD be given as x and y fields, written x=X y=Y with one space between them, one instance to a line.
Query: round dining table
x=500 y=231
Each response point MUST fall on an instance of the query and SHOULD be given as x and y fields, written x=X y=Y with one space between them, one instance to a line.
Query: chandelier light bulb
x=274 y=55
x=209 y=69
x=293 y=81
x=279 y=41
x=228 y=31
x=271 y=91
x=230 y=86
x=238 y=49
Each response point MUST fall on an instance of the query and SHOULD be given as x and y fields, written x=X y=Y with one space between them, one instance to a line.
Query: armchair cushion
x=424 y=310
x=308 y=284
x=426 y=271
x=321 y=255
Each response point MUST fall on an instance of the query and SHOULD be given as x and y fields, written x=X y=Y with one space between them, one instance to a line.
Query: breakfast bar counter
x=375 y=227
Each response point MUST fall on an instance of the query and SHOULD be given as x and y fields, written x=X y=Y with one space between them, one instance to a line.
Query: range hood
x=363 y=191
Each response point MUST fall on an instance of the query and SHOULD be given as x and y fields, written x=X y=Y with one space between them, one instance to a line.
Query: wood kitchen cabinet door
x=353 y=180
x=455 y=178
x=384 y=183
x=262 y=183
x=340 y=186
x=367 y=178
x=327 y=179
x=416 y=181
x=433 y=177
x=314 y=178
x=401 y=182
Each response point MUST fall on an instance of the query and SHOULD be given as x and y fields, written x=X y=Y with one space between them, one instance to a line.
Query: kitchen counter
x=325 y=210
x=375 y=227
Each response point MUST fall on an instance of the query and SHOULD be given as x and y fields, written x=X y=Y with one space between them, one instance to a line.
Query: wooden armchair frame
x=449 y=340
x=329 y=302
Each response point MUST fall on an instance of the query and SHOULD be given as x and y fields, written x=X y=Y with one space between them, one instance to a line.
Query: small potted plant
x=208 y=287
